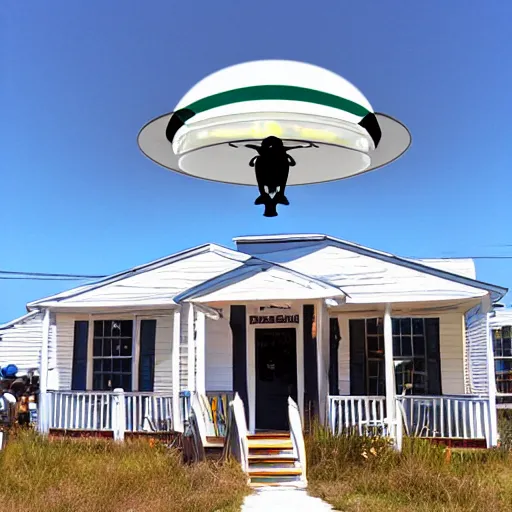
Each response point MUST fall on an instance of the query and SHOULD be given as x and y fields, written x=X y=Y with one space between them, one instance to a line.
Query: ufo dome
x=298 y=102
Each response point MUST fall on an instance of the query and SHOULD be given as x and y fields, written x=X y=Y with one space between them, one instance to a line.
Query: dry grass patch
x=102 y=476
x=360 y=474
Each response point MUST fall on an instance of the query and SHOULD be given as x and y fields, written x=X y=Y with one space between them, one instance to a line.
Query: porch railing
x=116 y=411
x=454 y=417
x=363 y=415
x=447 y=416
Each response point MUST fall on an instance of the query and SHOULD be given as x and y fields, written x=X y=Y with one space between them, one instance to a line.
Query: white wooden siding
x=64 y=350
x=451 y=334
x=163 y=354
x=20 y=344
x=184 y=347
x=476 y=350
x=219 y=355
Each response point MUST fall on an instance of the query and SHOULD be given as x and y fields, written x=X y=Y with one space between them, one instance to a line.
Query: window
x=415 y=355
x=502 y=343
x=112 y=355
x=410 y=355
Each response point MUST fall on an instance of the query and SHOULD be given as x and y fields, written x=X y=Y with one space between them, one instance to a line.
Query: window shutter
x=311 y=398
x=357 y=330
x=334 y=342
x=147 y=355
x=433 y=356
x=79 y=369
x=238 y=324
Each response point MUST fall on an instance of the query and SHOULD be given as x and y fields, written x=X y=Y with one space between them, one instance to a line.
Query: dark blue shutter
x=147 y=355
x=79 y=371
x=357 y=357
x=238 y=324
x=334 y=343
x=311 y=400
x=433 y=356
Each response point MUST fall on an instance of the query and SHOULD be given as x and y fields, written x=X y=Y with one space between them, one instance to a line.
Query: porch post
x=176 y=334
x=191 y=359
x=389 y=372
x=310 y=364
x=492 y=439
x=200 y=353
x=44 y=413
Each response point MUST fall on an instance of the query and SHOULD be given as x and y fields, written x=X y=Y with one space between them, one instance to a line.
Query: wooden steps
x=272 y=461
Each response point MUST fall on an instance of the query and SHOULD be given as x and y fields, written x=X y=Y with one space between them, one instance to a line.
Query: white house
x=355 y=336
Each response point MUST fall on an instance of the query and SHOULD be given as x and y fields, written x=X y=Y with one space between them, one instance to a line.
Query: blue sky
x=79 y=79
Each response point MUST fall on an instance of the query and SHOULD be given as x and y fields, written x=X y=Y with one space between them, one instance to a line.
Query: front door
x=276 y=377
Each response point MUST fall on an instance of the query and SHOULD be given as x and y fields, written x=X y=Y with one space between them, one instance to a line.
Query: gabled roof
x=289 y=249
x=19 y=320
x=258 y=279
x=154 y=283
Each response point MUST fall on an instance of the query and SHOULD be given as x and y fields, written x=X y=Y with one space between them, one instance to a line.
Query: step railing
x=297 y=436
x=236 y=444
x=363 y=415
x=448 y=416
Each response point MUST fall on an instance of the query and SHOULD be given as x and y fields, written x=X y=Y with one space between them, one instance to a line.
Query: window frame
x=497 y=358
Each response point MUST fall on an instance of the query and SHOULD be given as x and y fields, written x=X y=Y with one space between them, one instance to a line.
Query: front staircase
x=273 y=461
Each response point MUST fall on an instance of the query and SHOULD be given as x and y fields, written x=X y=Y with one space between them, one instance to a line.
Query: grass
x=361 y=474
x=101 y=476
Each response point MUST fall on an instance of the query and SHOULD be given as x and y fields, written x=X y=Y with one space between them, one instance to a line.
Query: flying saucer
x=216 y=129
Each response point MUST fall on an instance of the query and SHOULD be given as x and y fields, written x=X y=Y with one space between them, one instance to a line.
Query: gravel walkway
x=268 y=499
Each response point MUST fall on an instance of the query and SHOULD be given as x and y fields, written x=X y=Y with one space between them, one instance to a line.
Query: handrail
x=297 y=436
x=236 y=443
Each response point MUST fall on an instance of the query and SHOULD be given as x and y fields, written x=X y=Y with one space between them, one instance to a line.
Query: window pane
x=126 y=328
x=406 y=346
x=97 y=348
x=96 y=366
x=503 y=368
x=395 y=324
x=107 y=365
x=126 y=382
x=97 y=382
x=107 y=347
x=126 y=365
x=373 y=347
x=419 y=345
x=507 y=347
x=116 y=329
x=371 y=326
x=126 y=348
x=405 y=325
x=98 y=328
x=107 y=328
x=116 y=348
x=396 y=345
x=417 y=325
x=116 y=365
x=116 y=381
x=506 y=331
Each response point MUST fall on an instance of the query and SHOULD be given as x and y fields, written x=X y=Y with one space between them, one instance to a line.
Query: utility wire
x=45 y=274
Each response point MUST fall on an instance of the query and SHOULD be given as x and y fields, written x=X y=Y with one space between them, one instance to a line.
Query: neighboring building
x=500 y=322
x=341 y=328
x=20 y=342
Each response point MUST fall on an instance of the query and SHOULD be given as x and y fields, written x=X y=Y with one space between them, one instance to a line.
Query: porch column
x=492 y=440
x=310 y=364
x=176 y=334
x=191 y=345
x=322 y=320
x=389 y=370
x=44 y=414
x=200 y=353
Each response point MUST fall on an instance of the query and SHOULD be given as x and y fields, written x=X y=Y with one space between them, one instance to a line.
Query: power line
x=28 y=278
x=45 y=274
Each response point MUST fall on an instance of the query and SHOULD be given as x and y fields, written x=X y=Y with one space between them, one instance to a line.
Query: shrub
x=103 y=476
